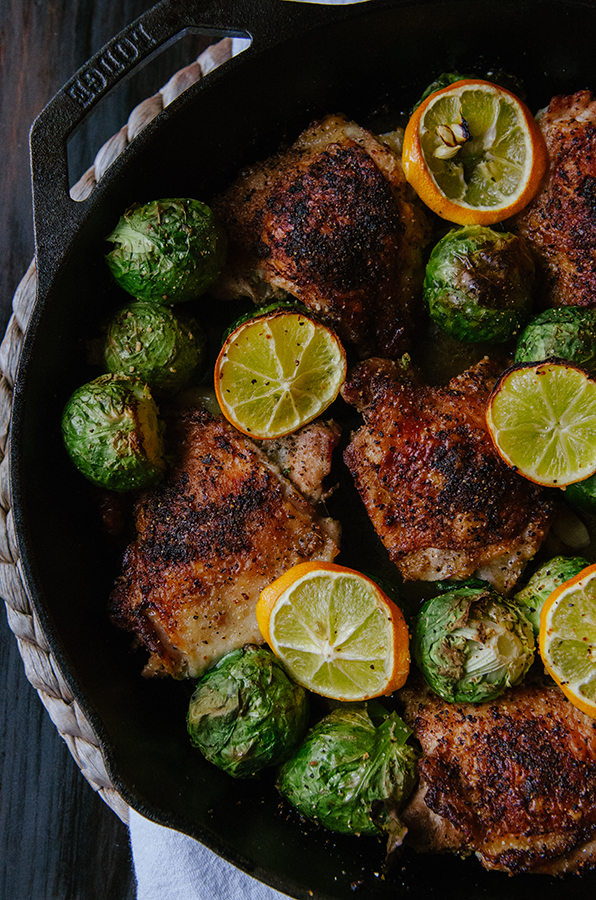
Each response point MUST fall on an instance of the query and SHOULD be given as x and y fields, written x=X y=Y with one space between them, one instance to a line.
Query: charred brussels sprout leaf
x=167 y=251
x=112 y=432
x=246 y=713
x=543 y=582
x=479 y=284
x=154 y=344
x=471 y=644
x=568 y=332
x=351 y=774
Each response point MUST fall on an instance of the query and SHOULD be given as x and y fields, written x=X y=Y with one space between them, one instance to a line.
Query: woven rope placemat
x=41 y=668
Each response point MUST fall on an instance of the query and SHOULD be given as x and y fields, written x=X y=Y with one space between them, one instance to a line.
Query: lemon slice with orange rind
x=337 y=633
x=542 y=420
x=567 y=639
x=277 y=372
x=474 y=153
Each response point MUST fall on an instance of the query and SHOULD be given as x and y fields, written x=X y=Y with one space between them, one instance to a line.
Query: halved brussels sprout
x=167 y=251
x=567 y=332
x=112 y=432
x=543 y=582
x=479 y=284
x=246 y=713
x=471 y=644
x=353 y=774
x=155 y=344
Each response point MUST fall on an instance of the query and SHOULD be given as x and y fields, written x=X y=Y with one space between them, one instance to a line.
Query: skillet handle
x=56 y=215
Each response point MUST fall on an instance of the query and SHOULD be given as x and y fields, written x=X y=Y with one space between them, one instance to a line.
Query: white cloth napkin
x=172 y=866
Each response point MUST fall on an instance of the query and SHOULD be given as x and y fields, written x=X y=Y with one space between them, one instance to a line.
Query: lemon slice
x=277 y=372
x=474 y=153
x=567 y=639
x=542 y=420
x=337 y=633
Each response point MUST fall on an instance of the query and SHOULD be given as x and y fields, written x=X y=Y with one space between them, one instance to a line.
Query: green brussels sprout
x=113 y=434
x=351 y=774
x=246 y=713
x=496 y=76
x=442 y=81
x=471 y=644
x=167 y=251
x=291 y=305
x=582 y=495
x=543 y=582
x=155 y=344
x=479 y=284
x=567 y=332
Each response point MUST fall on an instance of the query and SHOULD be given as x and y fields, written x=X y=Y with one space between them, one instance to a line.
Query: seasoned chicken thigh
x=513 y=780
x=222 y=525
x=440 y=498
x=560 y=223
x=333 y=222
x=306 y=457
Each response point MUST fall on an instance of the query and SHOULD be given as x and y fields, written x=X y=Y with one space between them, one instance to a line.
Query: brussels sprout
x=352 y=775
x=496 y=76
x=479 y=284
x=291 y=305
x=471 y=644
x=543 y=582
x=154 y=344
x=568 y=332
x=442 y=81
x=113 y=434
x=246 y=713
x=167 y=251
x=582 y=495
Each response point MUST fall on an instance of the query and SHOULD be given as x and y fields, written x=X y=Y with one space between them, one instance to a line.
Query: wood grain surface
x=58 y=840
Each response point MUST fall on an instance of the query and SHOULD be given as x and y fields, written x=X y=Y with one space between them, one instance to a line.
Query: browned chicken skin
x=333 y=222
x=513 y=780
x=222 y=525
x=306 y=457
x=560 y=223
x=440 y=498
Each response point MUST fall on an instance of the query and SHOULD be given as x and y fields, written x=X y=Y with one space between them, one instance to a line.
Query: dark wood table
x=58 y=839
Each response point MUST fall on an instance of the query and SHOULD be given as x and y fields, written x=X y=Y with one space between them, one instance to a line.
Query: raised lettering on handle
x=93 y=78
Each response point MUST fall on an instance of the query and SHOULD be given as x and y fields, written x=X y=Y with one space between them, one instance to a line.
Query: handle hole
x=135 y=101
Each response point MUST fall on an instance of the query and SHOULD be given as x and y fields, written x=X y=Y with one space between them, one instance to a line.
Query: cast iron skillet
x=369 y=60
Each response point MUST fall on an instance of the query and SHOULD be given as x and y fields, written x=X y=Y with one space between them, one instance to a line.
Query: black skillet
x=371 y=61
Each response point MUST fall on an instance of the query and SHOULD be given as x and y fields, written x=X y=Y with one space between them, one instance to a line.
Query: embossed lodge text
x=93 y=78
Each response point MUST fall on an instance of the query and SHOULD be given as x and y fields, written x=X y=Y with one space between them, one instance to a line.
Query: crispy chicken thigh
x=560 y=223
x=222 y=525
x=440 y=498
x=333 y=222
x=513 y=780
x=306 y=457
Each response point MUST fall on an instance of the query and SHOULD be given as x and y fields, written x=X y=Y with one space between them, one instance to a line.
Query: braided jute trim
x=41 y=668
